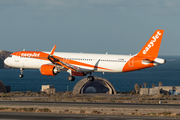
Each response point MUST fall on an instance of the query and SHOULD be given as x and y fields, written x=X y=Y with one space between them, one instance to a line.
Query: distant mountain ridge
x=3 y=56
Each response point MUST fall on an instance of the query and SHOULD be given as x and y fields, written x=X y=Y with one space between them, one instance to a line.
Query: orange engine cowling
x=48 y=70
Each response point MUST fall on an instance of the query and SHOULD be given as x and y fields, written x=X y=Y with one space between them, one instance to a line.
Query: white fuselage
x=105 y=62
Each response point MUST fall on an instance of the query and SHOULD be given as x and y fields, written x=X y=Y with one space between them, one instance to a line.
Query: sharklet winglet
x=52 y=51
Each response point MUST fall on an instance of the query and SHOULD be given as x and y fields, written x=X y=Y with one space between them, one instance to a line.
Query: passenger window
x=10 y=56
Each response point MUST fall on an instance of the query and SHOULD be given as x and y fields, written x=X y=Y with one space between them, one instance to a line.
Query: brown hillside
x=3 y=56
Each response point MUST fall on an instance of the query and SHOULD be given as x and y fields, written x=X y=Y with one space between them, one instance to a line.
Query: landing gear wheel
x=71 y=78
x=21 y=75
x=90 y=78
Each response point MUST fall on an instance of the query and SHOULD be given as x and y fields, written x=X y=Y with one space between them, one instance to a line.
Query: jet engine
x=49 y=70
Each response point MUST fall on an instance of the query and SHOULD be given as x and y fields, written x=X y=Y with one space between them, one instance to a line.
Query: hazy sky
x=93 y=26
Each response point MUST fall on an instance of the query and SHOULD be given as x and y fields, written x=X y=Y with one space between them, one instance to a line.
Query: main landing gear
x=90 y=78
x=71 y=78
x=21 y=75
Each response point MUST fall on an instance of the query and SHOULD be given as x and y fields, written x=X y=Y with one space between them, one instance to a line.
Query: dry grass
x=68 y=96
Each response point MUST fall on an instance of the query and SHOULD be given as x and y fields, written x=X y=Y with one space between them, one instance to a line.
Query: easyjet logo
x=30 y=54
x=152 y=42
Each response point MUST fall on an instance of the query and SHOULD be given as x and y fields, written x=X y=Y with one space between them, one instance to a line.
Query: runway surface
x=58 y=116
x=89 y=104
x=55 y=116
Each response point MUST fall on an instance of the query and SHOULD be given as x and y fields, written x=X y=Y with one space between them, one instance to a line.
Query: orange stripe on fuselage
x=43 y=56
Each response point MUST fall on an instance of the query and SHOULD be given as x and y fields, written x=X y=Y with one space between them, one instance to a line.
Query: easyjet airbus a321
x=81 y=64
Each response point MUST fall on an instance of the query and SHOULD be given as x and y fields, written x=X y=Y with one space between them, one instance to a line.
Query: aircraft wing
x=56 y=61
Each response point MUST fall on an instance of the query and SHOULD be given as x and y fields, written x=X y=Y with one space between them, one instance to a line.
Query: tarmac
x=55 y=116
x=87 y=104
x=57 y=106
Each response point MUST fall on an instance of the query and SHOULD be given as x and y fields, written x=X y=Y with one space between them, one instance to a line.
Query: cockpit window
x=10 y=56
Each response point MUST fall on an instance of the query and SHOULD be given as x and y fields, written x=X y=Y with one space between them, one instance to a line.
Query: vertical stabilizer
x=151 y=48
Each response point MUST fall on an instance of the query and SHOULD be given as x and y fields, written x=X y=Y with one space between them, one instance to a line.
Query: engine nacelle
x=49 y=70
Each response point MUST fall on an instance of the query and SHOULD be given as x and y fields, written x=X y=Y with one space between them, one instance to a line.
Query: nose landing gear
x=21 y=75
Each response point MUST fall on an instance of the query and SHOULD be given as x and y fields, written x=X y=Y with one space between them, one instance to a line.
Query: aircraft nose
x=6 y=61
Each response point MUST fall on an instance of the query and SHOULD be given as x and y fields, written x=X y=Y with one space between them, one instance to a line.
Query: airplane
x=81 y=64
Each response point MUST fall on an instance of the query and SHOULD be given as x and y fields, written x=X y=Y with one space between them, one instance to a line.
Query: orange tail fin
x=151 y=48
